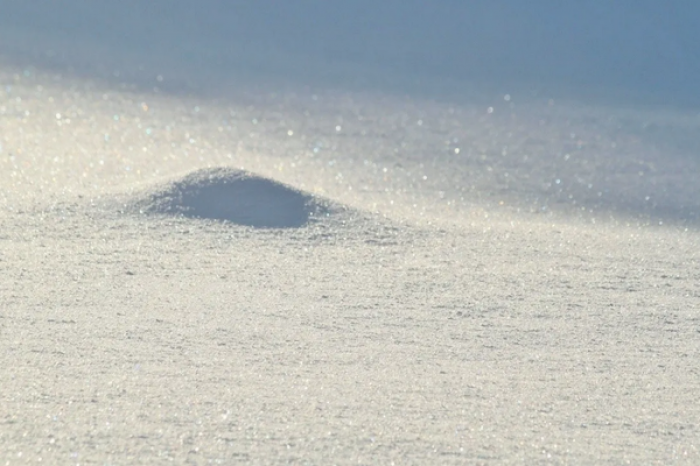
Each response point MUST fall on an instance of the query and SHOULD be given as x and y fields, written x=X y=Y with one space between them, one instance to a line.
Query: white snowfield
x=279 y=273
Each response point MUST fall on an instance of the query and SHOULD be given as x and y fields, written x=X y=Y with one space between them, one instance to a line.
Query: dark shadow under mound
x=235 y=196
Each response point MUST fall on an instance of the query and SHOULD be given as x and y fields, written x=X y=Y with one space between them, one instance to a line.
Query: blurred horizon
x=644 y=51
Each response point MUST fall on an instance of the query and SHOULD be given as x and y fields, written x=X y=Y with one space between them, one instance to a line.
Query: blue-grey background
x=646 y=49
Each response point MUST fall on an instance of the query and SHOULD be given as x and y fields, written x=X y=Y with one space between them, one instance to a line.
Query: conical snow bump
x=235 y=196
